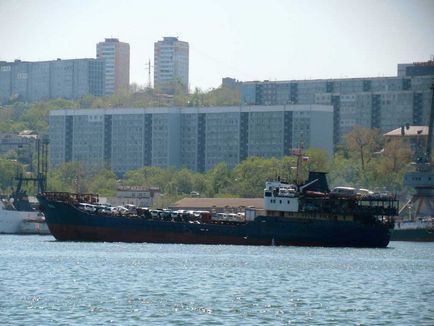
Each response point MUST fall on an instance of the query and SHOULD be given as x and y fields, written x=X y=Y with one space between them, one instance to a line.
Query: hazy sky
x=244 y=39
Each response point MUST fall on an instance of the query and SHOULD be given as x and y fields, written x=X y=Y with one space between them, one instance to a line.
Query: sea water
x=46 y=282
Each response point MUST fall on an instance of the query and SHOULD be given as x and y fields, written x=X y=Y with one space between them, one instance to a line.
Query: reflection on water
x=47 y=282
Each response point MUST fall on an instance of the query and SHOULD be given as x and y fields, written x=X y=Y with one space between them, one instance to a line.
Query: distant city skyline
x=246 y=40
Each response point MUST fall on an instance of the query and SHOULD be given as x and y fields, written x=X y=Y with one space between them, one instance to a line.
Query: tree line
x=372 y=165
x=364 y=160
x=17 y=116
x=375 y=166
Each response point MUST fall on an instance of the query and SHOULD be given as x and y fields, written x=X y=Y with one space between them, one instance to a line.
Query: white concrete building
x=116 y=56
x=171 y=61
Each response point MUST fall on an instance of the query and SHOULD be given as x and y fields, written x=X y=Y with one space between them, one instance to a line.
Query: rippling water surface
x=45 y=282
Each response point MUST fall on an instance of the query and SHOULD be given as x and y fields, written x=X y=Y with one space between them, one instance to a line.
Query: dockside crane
x=422 y=179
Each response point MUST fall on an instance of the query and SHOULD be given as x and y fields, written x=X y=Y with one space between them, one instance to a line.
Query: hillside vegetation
x=363 y=161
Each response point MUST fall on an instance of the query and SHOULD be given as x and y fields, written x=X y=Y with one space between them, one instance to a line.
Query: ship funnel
x=320 y=184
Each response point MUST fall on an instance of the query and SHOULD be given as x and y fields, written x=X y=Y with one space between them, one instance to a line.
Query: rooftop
x=408 y=131
x=170 y=38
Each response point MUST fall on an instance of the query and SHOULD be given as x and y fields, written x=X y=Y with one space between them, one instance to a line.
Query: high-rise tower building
x=117 y=64
x=171 y=65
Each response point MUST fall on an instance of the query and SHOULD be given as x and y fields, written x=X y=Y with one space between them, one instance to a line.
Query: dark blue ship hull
x=68 y=223
x=416 y=235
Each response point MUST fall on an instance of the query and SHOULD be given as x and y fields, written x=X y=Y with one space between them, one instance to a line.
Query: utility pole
x=148 y=66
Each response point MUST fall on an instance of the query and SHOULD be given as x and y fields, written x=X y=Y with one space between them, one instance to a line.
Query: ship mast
x=298 y=180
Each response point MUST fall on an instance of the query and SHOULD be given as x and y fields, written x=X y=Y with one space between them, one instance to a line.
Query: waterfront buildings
x=384 y=103
x=42 y=80
x=195 y=138
x=171 y=61
x=116 y=56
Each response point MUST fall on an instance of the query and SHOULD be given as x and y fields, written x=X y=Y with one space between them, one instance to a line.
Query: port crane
x=422 y=179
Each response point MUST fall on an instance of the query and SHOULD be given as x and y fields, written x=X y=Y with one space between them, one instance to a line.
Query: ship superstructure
x=314 y=200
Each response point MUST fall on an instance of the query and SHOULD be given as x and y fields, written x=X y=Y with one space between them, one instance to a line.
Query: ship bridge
x=280 y=196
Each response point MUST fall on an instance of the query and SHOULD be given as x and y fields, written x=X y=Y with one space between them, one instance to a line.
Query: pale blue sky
x=245 y=39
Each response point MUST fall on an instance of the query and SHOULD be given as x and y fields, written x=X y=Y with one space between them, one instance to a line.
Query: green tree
x=184 y=181
x=68 y=177
x=199 y=183
x=362 y=143
x=222 y=96
x=251 y=174
x=8 y=171
x=103 y=183
x=318 y=159
x=390 y=167
x=219 y=178
x=397 y=154
x=343 y=172
x=151 y=176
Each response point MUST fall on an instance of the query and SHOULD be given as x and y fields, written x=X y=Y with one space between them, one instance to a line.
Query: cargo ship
x=306 y=214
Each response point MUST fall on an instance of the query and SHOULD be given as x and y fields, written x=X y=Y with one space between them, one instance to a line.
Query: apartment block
x=116 y=56
x=42 y=80
x=195 y=138
x=171 y=64
x=384 y=103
